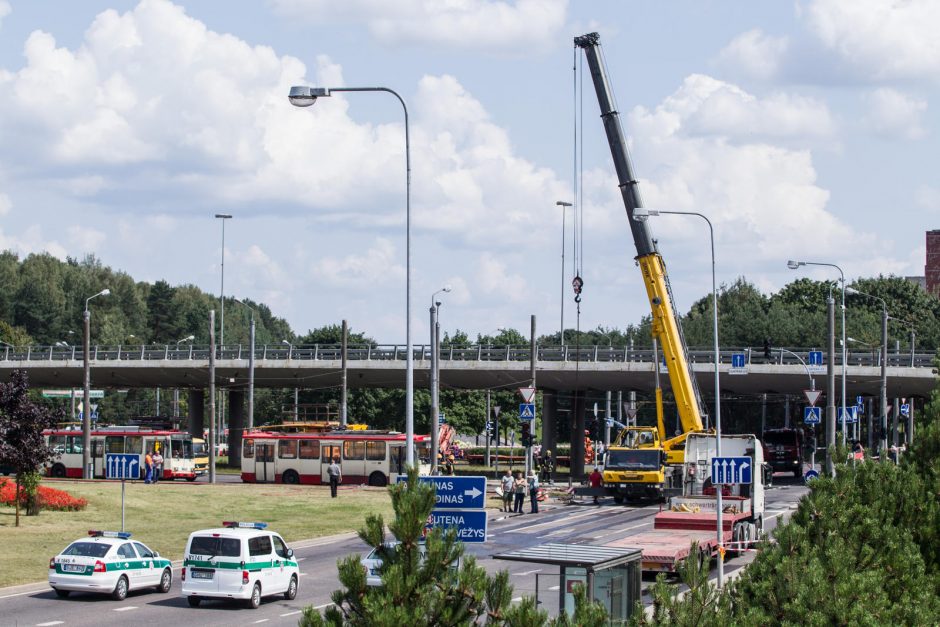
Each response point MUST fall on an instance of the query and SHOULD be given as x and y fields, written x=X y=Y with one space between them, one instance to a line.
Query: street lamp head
x=446 y=288
x=224 y=216
x=640 y=214
x=105 y=292
x=303 y=96
x=562 y=203
x=285 y=342
x=793 y=265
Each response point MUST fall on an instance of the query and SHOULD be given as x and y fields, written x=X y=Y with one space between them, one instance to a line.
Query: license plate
x=202 y=574
x=73 y=568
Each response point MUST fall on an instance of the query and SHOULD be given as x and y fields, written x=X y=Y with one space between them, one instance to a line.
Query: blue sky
x=802 y=129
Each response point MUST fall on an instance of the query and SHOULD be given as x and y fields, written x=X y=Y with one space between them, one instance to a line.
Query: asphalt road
x=36 y=604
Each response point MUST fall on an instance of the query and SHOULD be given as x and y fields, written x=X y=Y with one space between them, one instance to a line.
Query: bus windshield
x=199 y=448
x=633 y=459
x=182 y=448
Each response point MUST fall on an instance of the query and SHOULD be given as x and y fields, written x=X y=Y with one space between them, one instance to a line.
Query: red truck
x=692 y=516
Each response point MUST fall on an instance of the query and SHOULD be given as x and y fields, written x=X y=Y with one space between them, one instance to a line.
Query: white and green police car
x=238 y=561
x=108 y=562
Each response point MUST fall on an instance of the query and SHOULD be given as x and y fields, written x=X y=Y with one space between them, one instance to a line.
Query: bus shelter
x=611 y=575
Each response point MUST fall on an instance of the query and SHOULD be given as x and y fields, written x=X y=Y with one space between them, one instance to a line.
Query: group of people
x=153 y=466
x=445 y=464
x=514 y=490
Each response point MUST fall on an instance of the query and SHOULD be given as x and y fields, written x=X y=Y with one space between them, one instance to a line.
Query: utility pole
x=344 y=401
x=831 y=390
x=533 y=357
x=212 y=396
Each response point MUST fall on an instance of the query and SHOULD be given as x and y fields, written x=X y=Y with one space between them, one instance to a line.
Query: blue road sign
x=441 y=418
x=526 y=411
x=812 y=415
x=905 y=409
x=850 y=415
x=456 y=492
x=470 y=523
x=810 y=475
x=731 y=470
x=815 y=359
x=738 y=360
x=122 y=466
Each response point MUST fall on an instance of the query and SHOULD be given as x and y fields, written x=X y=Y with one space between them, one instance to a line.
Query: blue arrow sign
x=905 y=409
x=455 y=492
x=815 y=358
x=470 y=524
x=812 y=415
x=731 y=470
x=526 y=411
x=441 y=418
x=122 y=466
x=810 y=475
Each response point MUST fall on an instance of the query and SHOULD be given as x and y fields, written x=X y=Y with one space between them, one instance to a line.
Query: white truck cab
x=238 y=561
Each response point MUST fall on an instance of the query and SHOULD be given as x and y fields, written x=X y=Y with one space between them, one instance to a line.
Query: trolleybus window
x=375 y=451
x=114 y=444
x=287 y=449
x=248 y=450
x=309 y=449
x=132 y=444
x=57 y=443
x=182 y=448
x=354 y=450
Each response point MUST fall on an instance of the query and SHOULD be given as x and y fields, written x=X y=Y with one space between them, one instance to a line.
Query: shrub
x=48 y=498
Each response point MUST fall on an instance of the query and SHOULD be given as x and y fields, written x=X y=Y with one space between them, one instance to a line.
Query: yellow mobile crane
x=634 y=468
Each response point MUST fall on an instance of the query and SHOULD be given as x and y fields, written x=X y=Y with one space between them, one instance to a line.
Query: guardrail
x=482 y=353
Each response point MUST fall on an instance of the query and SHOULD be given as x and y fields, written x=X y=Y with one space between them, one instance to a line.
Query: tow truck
x=692 y=515
x=658 y=455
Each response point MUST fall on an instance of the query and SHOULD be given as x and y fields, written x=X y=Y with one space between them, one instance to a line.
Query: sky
x=803 y=130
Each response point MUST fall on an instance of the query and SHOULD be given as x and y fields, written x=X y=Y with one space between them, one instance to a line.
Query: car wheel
x=255 y=599
x=58 y=471
x=290 y=476
x=62 y=594
x=166 y=580
x=193 y=601
x=378 y=479
x=291 y=592
x=618 y=499
x=120 y=589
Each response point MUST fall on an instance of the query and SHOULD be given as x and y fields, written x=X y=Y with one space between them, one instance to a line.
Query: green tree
x=22 y=446
x=162 y=317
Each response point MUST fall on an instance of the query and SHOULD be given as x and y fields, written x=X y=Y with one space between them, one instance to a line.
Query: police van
x=238 y=561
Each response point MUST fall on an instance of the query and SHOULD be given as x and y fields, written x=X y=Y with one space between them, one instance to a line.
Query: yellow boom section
x=666 y=330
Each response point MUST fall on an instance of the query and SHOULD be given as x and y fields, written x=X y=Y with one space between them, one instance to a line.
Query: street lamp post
x=220 y=427
x=793 y=265
x=88 y=471
x=251 y=366
x=640 y=214
x=884 y=369
x=435 y=377
x=564 y=205
x=302 y=96
x=176 y=391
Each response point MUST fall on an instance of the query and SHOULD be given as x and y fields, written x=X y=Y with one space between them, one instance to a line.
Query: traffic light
x=767 y=349
x=526 y=434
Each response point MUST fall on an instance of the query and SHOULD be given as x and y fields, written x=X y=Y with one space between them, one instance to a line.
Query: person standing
x=547 y=467
x=533 y=486
x=507 y=486
x=336 y=476
x=157 y=460
x=596 y=480
x=148 y=466
x=519 y=489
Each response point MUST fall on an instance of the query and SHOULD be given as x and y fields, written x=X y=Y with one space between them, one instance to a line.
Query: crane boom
x=665 y=324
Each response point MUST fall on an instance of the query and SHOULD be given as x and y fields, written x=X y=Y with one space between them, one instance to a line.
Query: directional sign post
x=122 y=466
x=812 y=415
x=731 y=470
x=459 y=503
x=738 y=364
x=815 y=363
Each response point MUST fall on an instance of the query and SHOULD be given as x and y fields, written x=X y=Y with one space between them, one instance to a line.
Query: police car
x=108 y=562
x=238 y=561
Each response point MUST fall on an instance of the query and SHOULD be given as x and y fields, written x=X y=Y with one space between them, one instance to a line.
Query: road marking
x=516 y=600
x=780 y=513
x=320 y=607
x=554 y=587
x=291 y=613
x=300 y=559
x=610 y=533
x=52 y=622
x=553 y=522
x=125 y=609
x=263 y=620
x=302 y=574
x=20 y=594
x=529 y=572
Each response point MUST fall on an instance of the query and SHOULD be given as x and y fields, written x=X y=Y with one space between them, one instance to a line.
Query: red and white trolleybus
x=365 y=456
x=175 y=446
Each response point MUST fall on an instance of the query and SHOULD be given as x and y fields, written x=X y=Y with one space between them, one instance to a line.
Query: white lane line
x=20 y=594
x=125 y=609
x=320 y=607
x=263 y=620
x=559 y=521
x=529 y=572
x=291 y=613
x=554 y=587
x=302 y=574
x=300 y=559
x=780 y=513
x=615 y=531
x=50 y=623
x=517 y=599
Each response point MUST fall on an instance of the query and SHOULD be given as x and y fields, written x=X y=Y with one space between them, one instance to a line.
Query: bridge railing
x=479 y=353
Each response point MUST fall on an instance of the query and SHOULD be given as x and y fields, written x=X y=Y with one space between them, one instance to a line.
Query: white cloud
x=706 y=106
x=376 y=266
x=486 y=25
x=883 y=39
x=755 y=54
x=85 y=239
x=32 y=241
x=493 y=278
x=892 y=114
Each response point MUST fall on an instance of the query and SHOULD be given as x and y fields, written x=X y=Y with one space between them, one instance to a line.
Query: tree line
x=42 y=299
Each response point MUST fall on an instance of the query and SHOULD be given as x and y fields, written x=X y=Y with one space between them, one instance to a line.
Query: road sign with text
x=815 y=363
x=731 y=470
x=469 y=523
x=455 y=492
x=738 y=364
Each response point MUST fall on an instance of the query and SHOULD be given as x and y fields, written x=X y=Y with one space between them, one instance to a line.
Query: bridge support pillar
x=549 y=421
x=577 y=437
x=197 y=413
x=236 y=422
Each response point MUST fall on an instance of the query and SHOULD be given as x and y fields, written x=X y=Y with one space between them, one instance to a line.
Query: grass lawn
x=163 y=515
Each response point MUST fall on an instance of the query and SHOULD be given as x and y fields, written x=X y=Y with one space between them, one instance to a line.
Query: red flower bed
x=49 y=498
